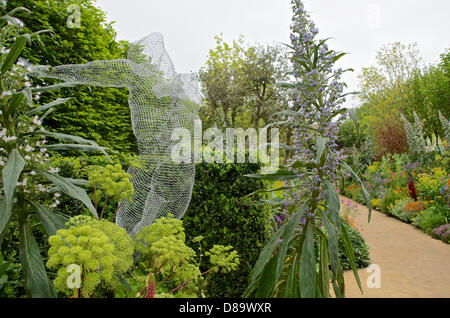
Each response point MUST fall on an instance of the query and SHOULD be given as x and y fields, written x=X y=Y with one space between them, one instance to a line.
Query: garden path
x=412 y=264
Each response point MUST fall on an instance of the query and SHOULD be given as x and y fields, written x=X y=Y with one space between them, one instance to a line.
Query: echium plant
x=414 y=135
x=445 y=126
x=29 y=186
x=287 y=265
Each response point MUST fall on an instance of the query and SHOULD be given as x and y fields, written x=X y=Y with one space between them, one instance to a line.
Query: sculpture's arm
x=110 y=73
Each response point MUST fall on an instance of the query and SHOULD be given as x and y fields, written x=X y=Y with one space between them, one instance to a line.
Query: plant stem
x=187 y=282
x=103 y=209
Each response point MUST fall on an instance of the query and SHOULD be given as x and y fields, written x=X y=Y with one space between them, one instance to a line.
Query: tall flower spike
x=319 y=98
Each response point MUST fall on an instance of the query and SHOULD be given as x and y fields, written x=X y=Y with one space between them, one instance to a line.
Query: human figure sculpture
x=160 y=101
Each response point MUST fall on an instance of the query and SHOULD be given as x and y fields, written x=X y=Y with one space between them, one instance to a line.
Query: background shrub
x=398 y=209
x=390 y=137
x=361 y=249
x=432 y=217
x=389 y=199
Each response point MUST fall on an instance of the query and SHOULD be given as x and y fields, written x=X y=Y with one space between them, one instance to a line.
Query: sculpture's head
x=150 y=49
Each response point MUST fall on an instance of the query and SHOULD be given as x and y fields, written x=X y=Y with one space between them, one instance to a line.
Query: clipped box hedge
x=218 y=213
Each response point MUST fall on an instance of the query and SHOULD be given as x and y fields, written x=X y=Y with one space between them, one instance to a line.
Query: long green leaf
x=350 y=254
x=54 y=87
x=266 y=254
x=268 y=280
x=16 y=99
x=62 y=137
x=324 y=272
x=77 y=147
x=26 y=92
x=276 y=201
x=333 y=203
x=339 y=285
x=13 y=54
x=321 y=149
x=289 y=234
x=36 y=281
x=4 y=218
x=51 y=221
x=291 y=290
x=281 y=174
x=333 y=244
x=363 y=189
x=338 y=56
x=11 y=174
x=269 y=190
x=71 y=190
x=56 y=102
x=307 y=273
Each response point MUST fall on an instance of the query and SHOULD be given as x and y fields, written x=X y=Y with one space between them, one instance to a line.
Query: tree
x=384 y=86
x=101 y=114
x=429 y=94
x=264 y=67
x=240 y=84
x=221 y=80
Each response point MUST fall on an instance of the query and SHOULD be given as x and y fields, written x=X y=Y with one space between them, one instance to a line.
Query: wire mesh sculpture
x=160 y=101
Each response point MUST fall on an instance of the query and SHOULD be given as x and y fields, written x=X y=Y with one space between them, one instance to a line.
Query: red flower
x=412 y=189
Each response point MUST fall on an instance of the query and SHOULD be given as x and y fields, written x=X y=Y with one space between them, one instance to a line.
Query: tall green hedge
x=217 y=212
x=97 y=113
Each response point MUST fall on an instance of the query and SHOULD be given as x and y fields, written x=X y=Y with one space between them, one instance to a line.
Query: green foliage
x=217 y=213
x=432 y=217
x=360 y=248
x=445 y=126
x=347 y=135
x=100 y=114
x=398 y=86
x=10 y=278
x=432 y=186
x=398 y=209
x=170 y=265
x=388 y=200
x=80 y=168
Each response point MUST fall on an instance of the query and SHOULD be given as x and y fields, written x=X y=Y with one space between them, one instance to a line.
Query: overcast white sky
x=358 y=27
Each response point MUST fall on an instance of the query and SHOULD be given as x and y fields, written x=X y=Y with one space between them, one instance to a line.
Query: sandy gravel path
x=412 y=264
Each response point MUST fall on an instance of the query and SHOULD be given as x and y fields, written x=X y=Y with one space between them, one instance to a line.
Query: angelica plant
x=169 y=266
x=102 y=251
x=109 y=182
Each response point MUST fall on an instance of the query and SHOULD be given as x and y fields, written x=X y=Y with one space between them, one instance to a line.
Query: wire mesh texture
x=160 y=101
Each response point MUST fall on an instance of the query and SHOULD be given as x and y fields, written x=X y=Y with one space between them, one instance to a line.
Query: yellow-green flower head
x=101 y=248
x=111 y=181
